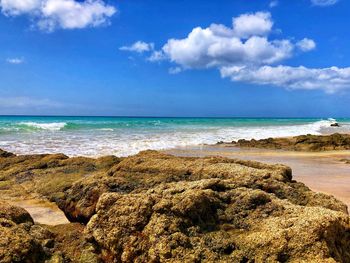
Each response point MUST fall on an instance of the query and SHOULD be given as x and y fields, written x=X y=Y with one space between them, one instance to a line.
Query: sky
x=241 y=58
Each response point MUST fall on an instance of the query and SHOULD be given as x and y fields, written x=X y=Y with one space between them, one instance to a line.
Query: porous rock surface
x=213 y=220
x=154 y=207
x=21 y=240
x=311 y=143
x=16 y=243
x=45 y=175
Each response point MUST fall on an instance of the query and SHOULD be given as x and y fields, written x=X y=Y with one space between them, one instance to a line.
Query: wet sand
x=322 y=172
x=42 y=212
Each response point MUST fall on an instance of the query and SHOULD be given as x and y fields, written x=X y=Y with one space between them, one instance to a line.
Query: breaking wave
x=122 y=137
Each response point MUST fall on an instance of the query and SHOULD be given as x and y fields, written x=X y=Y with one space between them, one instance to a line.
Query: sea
x=124 y=136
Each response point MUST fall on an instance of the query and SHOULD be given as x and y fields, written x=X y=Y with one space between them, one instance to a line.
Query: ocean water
x=121 y=136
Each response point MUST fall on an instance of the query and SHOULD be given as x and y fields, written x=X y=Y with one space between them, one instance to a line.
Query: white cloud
x=306 y=44
x=139 y=47
x=15 y=61
x=273 y=3
x=244 y=53
x=18 y=7
x=247 y=25
x=328 y=79
x=66 y=14
x=245 y=43
x=324 y=2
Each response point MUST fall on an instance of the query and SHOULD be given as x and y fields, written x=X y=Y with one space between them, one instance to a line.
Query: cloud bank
x=247 y=52
x=329 y=79
x=49 y=15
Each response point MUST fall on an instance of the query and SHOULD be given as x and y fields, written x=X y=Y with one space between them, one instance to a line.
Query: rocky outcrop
x=23 y=241
x=149 y=169
x=154 y=207
x=47 y=175
x=313 y=143
x=16 y=243
x=214 y=220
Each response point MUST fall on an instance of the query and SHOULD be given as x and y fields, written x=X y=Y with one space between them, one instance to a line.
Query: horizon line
x=150 y=116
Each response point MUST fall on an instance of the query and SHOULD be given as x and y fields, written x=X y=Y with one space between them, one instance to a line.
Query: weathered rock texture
x=213 y=220
x=154 y=207
x=313 y=143
x=23 y=241
x=160 y=208
x=16 y=243
x=46 y=175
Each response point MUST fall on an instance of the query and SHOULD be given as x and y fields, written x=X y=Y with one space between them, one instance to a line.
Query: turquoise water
x=96 y=136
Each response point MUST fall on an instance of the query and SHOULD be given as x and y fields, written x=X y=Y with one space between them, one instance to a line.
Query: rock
x=4 y=154
x=47 y=175
x=313 y=143
x=154 y=207
x=15 y=214
x=23 y=241
x=56 y=258
x=16 y=243
x=215 y=220
x=149 y=169
x=336 y=124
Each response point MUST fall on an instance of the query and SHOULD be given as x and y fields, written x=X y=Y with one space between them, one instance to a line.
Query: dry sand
x=42 y=212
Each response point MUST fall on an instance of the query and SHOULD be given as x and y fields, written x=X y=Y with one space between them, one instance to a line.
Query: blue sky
x=261 y=59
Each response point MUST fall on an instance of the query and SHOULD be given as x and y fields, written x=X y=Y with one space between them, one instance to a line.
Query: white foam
x=53 y=126
x=127 y=142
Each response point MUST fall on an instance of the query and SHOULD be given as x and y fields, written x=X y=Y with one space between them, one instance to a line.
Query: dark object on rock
x=4 y=154
x=336 y=124
x=311 y=143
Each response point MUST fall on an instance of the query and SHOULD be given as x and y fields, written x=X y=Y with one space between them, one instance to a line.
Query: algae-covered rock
x=46 y=175
x=23 y=241
x=16 y=214
x=154 y=207
x=313 y=143
x=5 y=154
x=213 y=220
x=70 y=244
x=16 y=243
x=148 y=169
